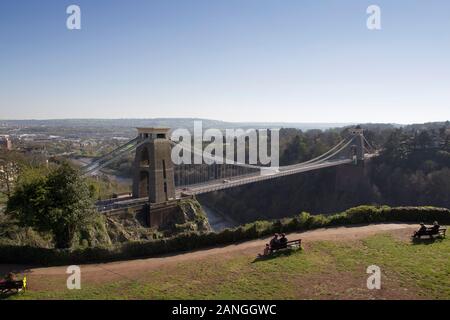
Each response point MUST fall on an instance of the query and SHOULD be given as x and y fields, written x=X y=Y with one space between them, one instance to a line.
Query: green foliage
x=104 y=187
x=364 y=214
x=190 y=218
x=11 y=165
x=12 y=234
x=59 y=202
x=95 y=233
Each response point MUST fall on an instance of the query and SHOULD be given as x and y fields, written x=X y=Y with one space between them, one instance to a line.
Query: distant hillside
x=164 y=122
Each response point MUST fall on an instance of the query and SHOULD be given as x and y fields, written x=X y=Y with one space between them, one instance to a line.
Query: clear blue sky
x=235 y=60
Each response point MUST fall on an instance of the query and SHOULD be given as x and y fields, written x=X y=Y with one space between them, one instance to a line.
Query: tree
x=438 y=189
x=8 y=175
x=59 y=202
x=424 y=140
x=295 y=151
x=10 y=166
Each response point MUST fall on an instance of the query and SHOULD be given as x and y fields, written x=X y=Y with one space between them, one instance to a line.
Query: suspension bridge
x=156 y=180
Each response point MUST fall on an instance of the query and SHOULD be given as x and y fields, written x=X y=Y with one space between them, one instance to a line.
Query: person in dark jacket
x=283 y=241
x=10 y=277
x=435 y=227
x=422 y=229
x=275 y=242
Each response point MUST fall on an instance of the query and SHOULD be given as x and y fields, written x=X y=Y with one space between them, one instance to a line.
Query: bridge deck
x=256 y=177
x=222 y=184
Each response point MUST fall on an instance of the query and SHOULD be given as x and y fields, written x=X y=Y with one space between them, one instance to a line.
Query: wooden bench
x=429 y=232
x=290 y=244
x=13 y=286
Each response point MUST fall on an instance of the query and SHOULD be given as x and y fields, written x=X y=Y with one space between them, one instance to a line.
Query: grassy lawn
x=323 y=270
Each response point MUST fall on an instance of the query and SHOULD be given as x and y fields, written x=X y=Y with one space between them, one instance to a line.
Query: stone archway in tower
x=144 y=158
x=143 y=184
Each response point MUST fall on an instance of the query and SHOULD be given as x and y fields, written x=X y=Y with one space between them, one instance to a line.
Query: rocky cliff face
x=132 y=225
x=191 y=217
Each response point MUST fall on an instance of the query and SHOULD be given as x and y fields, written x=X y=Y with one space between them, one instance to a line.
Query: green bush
x=194 y=240
x=338 y=219
x=362 y=214
x=318 y=221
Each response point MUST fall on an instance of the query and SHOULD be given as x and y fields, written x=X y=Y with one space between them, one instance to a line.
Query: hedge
x=191 y=241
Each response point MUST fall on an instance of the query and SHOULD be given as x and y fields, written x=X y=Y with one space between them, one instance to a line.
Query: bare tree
x=9 y=172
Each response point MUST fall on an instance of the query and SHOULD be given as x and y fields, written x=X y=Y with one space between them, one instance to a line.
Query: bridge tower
x=153 y=174
x=358 y=142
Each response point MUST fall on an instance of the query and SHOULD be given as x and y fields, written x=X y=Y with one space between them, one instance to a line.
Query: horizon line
x=224 y=121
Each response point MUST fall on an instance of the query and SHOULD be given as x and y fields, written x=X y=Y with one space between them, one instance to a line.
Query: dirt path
x=133 y=268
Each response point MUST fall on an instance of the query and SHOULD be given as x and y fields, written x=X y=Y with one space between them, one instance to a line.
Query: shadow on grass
x=426 y=241
x=6 y=295
x=281 y=253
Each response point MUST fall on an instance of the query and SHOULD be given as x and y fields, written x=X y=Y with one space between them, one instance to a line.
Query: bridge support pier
x=160 y=214
x=153 y=175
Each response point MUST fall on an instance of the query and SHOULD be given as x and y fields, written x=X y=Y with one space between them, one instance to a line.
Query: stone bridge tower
x=358 y=142
x=153 y=173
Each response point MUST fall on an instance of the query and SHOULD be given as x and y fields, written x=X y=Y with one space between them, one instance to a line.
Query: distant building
x=5 y=143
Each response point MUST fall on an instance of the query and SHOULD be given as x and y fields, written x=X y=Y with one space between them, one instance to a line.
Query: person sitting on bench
x=274 y=242
x=422 y=229
x=435 y=228
x=283 y=241
x=266 y=251
x=10 y=277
